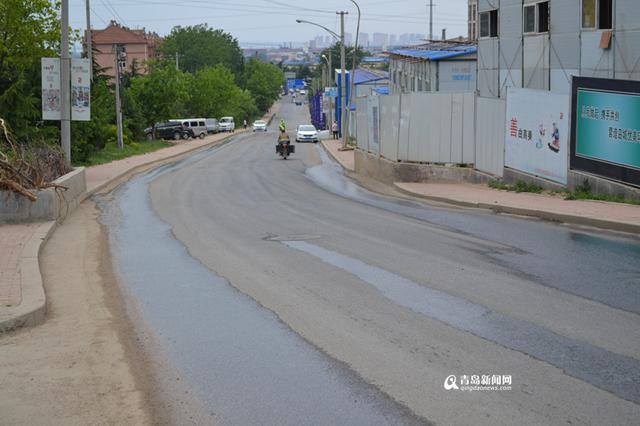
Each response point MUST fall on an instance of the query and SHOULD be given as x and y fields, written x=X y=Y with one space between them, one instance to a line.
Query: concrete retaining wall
x=602 y=186
x=575 y=178
x=386 y=171
x=512 y=176
x=50 y=205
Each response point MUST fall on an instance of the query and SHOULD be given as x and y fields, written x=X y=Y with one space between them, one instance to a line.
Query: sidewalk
x=607 y=215
x=600 y=214
x=345 y=158
x=22 y=298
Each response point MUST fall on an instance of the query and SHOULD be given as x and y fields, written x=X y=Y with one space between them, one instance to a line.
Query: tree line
x=213 y=81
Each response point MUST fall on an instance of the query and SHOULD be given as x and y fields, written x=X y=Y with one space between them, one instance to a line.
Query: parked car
x=298 y=102
x=260 y=125
x=227 y=124
x=306 y=133
x=198 y=125
x=169 y=130
x=212 y=125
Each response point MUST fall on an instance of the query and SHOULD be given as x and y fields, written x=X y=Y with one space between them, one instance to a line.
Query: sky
x=274 y=21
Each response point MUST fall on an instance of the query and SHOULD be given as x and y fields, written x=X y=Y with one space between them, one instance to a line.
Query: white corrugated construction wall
x=490 y=133
x=362 y=125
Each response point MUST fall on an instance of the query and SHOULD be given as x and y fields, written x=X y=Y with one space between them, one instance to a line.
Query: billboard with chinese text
x=537 y=135
x=606 y=128
x=51 y=95
x=80 y=89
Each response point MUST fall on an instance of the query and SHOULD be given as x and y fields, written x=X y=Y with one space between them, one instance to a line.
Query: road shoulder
x=78 y=366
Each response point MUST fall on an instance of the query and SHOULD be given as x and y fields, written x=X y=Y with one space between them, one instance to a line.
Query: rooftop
x=436 y=51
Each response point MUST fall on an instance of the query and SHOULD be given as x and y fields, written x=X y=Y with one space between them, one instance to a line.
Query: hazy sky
x=255 y=21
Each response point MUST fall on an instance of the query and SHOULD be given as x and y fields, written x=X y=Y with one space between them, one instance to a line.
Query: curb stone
x=540 y=214
x=31 y=311
x=33 y=307
x=335 y=158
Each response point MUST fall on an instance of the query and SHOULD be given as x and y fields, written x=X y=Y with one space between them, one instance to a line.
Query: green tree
x=264 y=81
x=215 y=94
x=162 y=94
x=199 y=46
x=29 y=30
x=334 y=51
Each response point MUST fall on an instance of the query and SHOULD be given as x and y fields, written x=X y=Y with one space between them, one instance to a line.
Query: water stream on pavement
x=595 y=265
x=244 y=365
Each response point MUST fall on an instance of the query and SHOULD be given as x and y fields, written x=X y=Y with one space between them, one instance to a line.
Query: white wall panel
x=490 y=132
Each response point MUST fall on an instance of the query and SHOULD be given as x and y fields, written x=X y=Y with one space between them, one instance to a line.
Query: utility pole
x=343 y=85
x=65 y=84
x=118 y=54
x=177 y=62
x=89 y=40
x=352 y=76
x=430 y=20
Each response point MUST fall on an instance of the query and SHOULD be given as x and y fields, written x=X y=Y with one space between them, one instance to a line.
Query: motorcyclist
x=283 y=126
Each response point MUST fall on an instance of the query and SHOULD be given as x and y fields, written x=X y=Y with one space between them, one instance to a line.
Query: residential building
x=348 y=39
x=541 y=44
x=473 y=21
x=433 y=67
x=380 y=39
x=363 y=40
x=139 y=46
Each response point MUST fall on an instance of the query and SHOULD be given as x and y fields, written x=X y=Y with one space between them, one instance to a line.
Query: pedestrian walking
x=334 y=129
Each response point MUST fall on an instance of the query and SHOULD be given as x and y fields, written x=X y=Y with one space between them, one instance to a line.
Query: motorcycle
x=284 y=147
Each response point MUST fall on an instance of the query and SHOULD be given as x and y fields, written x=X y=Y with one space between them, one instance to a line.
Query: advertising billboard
x=80 y=89
x=51 y=96
x=605 y=135
x=373 y=121
x=537 y=133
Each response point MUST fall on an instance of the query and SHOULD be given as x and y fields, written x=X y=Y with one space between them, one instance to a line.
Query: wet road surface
x=364 y=300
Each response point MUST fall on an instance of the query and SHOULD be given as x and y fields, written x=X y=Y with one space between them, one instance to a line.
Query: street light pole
x=65 y=84
x=353 y=71
x=89 y=40
x=343 y=88
x=118 y=54
x=340 y=38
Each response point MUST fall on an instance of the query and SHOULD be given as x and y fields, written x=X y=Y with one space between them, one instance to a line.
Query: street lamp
x=353 y=72
x=343 y=69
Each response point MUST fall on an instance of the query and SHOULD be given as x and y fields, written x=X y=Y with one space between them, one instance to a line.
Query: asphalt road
x=279 y=292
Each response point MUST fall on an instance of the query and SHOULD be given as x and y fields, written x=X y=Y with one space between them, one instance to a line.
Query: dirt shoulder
x=82 y=365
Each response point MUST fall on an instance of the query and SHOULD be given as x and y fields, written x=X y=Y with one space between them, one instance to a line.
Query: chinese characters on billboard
x=536 y=141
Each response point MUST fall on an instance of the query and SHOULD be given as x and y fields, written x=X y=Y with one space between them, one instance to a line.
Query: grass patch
x=583 y=192
x=519 y=186
x=610 y=198
x=111 y=152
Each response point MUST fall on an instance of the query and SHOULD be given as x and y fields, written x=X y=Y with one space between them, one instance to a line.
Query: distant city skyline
x=271 y=22
x=370 y=40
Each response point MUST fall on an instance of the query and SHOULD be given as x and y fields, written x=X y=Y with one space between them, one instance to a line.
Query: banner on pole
x=80 y=89
x=51 y=101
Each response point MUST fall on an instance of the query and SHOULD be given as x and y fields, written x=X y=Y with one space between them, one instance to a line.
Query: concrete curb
x=335 y=158
x=155 y=163
x=540 y=214
x=31 y=311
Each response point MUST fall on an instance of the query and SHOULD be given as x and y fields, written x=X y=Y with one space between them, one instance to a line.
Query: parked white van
x=198 y=125
x=226 y=124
